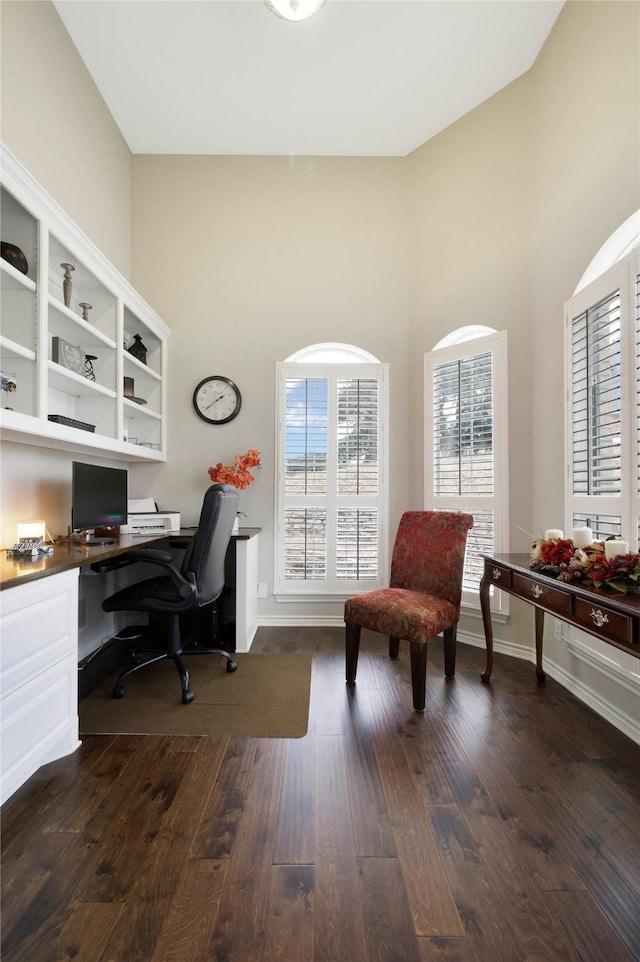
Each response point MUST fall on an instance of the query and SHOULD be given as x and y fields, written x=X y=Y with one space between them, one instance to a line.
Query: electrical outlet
x=262 y=589
x=557 y=629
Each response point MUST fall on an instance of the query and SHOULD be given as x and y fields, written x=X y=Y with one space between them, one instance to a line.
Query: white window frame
x=626 y=505
x=330 y=589
x=498 y=502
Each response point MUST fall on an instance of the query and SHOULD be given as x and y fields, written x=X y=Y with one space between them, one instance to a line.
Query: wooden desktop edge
x=66 y=557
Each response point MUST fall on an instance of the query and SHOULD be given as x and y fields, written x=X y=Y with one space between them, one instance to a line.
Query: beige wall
x=248 y=260
x=56 y=123
x=585 y=182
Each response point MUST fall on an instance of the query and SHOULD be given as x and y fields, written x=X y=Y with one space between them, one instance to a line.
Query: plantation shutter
x=329 y=538
x=463 y=447
x=603 y=447
x=596 y=396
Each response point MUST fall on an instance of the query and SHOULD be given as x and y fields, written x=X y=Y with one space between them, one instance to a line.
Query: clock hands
x=222 y=396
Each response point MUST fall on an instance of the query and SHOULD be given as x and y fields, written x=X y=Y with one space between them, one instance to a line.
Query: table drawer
x=552 y=599
x=605 y=622
x=497 y=575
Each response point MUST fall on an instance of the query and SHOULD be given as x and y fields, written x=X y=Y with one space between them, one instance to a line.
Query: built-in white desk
x=39 y=645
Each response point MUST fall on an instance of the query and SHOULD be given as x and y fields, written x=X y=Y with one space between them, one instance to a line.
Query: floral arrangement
x=238 y=474
x=559 y=558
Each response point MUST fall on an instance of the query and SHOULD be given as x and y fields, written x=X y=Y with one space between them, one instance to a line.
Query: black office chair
x=197 y=583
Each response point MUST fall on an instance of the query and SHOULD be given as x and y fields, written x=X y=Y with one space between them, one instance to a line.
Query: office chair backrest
x=428 y=553
x=204 y=560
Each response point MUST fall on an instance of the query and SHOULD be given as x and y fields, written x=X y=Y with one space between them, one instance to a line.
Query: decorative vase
x=67 y=286
x=137 y=349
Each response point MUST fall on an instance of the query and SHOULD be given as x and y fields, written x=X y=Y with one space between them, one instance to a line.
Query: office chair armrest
x=165 y=560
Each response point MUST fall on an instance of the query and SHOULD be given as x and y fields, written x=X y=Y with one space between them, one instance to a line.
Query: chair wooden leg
x=352 y=636
x=394 y=647
x=418 y=654
x=450 y=651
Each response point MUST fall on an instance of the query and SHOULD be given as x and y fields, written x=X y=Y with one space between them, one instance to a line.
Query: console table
x=607 y=614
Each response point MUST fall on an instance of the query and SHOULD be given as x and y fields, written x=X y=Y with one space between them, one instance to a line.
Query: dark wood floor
x=501 y=825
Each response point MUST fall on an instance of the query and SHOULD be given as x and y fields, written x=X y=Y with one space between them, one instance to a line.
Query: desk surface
x=17 y=571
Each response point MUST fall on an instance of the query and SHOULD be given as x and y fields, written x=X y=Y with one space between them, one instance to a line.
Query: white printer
x=144 y=518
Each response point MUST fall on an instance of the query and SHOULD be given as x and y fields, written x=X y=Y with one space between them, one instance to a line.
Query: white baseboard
x=594 y=699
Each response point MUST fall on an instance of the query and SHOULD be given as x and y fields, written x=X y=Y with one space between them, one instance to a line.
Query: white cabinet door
x=38 y=676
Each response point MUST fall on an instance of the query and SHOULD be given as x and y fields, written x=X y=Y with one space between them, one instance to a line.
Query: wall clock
x=217 y=400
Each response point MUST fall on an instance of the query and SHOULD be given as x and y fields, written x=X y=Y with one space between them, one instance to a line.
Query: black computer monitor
x=98 y=497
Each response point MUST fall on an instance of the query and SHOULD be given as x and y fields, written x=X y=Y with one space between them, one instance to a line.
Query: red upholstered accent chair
x=423 y=599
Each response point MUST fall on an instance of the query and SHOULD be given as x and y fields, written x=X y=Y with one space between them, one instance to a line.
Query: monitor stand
x=93 y=539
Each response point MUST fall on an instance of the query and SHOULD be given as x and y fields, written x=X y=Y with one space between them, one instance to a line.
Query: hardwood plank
x=217 y=829
x=445 y=950
x=387 y=920
x=371 y=824
x=288 y=930
x=589 y=930
x=295 y=832
x=188 y=925
x=339 y=931
x=88 y=924
x=238 y=930
x=432 y=904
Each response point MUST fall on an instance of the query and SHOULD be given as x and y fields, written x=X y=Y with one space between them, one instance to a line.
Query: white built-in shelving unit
x=44 y=343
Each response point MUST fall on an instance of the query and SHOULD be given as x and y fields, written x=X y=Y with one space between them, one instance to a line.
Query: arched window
x=331 y=488
x=466 y=463
x=602 y=351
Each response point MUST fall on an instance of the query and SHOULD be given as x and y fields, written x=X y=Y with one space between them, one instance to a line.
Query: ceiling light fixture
x=295 y=9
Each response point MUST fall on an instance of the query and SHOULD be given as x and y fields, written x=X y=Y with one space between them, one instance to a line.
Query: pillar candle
x=613 y=548
x=553 y=534
x=582 y=537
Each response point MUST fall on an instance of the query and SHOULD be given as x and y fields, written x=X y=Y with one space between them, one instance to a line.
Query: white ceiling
x=362 y=78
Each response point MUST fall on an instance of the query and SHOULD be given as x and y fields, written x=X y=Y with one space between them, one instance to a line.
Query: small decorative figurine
x=66 y=284
x=89 y=373
x=137 y=349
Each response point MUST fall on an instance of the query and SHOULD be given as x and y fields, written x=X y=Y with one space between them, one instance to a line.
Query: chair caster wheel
x=187 y=697
x=231 y=666
x=118 y=691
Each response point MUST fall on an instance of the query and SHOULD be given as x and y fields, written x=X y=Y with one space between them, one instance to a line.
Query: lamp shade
x=295 y=9
x=31 y=529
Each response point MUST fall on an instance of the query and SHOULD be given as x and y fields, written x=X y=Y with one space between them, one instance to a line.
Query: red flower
x=237 y=474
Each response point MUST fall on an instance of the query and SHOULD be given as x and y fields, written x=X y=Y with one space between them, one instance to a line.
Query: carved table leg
x=540 y=675
x=485 y=585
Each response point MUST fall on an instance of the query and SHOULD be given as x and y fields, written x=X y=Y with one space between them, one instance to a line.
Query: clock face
x=217 y=399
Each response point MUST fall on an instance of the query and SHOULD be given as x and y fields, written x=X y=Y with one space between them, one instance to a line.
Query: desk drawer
x=497 y=575
x=605 y=622
x=552 y=599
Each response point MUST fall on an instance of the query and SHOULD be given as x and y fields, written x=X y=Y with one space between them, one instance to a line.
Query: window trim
x=496 y=343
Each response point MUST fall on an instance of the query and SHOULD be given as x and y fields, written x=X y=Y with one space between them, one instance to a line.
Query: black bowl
x=14 y=256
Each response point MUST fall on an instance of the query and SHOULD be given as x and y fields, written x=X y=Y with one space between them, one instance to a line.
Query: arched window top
x=467 y=333
x=333 y=353
x=621 y=243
